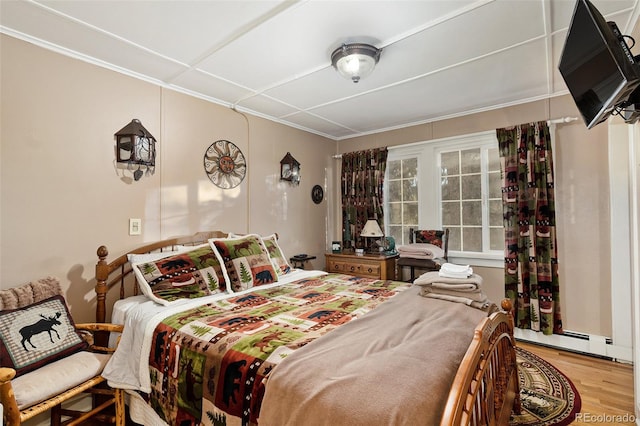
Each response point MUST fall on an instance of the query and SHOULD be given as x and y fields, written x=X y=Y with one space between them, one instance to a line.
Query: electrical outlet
x=135 y=226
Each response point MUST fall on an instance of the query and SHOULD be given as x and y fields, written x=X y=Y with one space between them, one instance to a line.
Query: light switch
x=135 y=226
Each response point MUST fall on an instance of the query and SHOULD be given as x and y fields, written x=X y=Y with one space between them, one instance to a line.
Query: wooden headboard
x=118 y=272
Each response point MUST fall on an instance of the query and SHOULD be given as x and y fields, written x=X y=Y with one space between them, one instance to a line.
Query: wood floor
x=605 y=387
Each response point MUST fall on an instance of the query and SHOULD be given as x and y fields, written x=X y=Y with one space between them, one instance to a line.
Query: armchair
x=438 y=238
x=61 y=370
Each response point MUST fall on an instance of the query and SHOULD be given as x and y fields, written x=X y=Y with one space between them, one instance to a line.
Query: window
x=458 y=187
x=470 y=181
x=402 y=183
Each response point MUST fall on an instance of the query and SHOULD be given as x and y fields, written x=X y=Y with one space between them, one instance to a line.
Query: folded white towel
x=452 y=267
x=454 y=274
x=452 y=270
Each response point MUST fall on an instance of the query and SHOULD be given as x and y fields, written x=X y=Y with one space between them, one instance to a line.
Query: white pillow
x=150 y=257
x=278 y=259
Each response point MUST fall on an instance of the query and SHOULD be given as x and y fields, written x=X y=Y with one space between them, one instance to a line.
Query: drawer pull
x=336 y=267
x=370 y=270
x=353 y=268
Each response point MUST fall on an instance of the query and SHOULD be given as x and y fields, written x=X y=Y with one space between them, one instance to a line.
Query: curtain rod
x=561 y=120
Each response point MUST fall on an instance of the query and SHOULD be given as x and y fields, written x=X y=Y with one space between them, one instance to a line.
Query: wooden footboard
x=486 y=389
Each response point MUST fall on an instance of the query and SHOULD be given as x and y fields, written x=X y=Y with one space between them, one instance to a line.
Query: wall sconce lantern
x=290 y=169
x=135 y=145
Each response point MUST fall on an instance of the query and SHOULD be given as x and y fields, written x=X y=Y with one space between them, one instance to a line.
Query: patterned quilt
x=209 y=362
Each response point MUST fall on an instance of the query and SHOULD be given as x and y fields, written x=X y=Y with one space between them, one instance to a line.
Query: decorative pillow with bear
x=278 y=259
x=246 y=261
x=184 y=275
x=38 y=334
x=276 y=255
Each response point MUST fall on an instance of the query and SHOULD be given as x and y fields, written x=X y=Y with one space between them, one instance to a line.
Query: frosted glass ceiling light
x=355 y=60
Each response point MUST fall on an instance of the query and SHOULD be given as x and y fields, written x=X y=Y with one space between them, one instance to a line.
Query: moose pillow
x=37 y=334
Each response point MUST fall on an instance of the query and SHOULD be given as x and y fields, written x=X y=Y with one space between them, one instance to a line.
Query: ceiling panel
x=322 y=87
x=308 y=33
x=307 y=120
x=209 y=86
x=184 y=30
x=440 y=58
x=274 y=107
x=441 y=94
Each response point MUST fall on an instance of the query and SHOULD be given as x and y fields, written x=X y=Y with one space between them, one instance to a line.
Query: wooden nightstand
x=368 y=265
x=299 y=261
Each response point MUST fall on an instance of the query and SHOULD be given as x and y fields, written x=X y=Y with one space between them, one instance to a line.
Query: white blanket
x=433 y=278
x=128 y=368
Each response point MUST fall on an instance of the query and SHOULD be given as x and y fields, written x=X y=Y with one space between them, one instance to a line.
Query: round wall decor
x=225 y=164
x=317 y=194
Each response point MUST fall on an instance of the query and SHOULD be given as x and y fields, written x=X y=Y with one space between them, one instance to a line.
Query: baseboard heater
x=589 y=344
x=583 y=336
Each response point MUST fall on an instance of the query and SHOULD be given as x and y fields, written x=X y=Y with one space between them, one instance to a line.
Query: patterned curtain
x=362 y=179
x=531 y=257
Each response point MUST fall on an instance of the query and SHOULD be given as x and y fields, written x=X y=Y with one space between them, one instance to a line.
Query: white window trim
x=428 y=177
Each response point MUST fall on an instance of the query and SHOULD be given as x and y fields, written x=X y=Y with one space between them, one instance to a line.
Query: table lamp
x=372 y=230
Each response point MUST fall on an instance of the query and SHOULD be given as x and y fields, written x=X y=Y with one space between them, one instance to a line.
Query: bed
x=267 y=344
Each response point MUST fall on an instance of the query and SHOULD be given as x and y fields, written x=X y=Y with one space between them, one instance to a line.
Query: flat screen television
x=597 y=65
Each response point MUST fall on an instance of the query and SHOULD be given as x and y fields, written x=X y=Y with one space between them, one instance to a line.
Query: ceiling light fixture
x=355 y=60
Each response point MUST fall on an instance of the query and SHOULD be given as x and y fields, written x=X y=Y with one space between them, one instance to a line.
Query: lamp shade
x=355 y=61
x=371 y=229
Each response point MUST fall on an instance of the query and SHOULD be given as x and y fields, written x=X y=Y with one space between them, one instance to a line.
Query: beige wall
x=582 y=192
x=62 y=196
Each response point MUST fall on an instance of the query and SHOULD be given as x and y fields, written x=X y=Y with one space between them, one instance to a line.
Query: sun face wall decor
x=225 y=164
